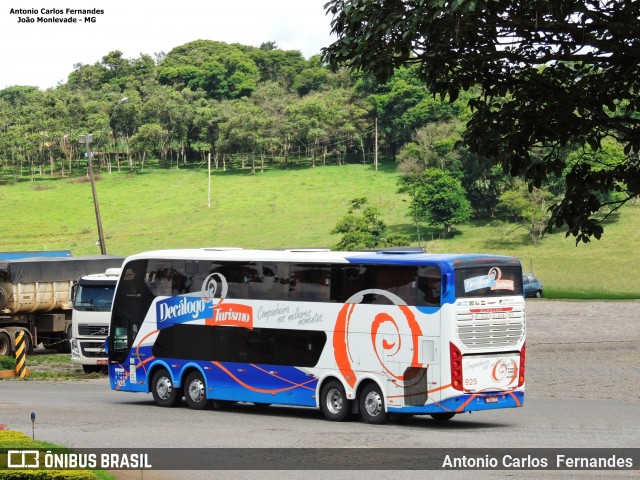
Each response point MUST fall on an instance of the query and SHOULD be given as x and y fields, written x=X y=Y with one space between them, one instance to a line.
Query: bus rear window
x=488 y=281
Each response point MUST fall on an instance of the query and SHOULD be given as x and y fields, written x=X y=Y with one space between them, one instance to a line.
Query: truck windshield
x=94 y=296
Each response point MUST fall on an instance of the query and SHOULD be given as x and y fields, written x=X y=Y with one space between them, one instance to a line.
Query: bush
x=7 y=363
x=18 y=440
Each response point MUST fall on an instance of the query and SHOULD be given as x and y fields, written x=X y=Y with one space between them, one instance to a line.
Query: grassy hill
x=275 y=209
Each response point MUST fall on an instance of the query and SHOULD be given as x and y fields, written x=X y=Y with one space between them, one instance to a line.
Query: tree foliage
x=221 y=70
x=549 y=74
x=363 y=229
x=527 y=208
x=437 y=198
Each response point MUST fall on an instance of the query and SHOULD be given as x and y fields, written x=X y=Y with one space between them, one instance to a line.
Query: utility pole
x=376 y=147
x=87 y=139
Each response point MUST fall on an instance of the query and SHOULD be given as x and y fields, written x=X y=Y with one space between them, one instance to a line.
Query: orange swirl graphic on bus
x=503 y=369
x=385 y=331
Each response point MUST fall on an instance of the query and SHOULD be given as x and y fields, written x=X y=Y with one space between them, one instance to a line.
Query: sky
x=43 y=54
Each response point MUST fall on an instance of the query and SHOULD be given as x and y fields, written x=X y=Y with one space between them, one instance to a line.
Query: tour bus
x=367 y=333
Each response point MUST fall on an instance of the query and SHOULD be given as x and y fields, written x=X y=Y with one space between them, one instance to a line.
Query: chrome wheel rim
x=164 y=388
x=196 y=391
x=335 y=401
x=373 y=404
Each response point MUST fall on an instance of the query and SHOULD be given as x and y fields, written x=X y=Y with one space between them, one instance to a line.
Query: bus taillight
x=456 y=366
x=522 y=362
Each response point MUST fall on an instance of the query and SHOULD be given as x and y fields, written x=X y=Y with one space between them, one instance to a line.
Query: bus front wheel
x=372 y=404
x=163 y=390
x=333 y=401
x=195 y=391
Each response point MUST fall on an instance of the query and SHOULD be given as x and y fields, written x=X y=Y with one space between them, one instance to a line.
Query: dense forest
x=243 y=107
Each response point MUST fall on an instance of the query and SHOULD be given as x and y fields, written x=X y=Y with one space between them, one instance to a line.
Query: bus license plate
x=492 y=399
x=101 y=362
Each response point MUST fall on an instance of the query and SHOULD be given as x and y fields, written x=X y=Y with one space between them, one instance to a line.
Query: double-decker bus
x=369 y=333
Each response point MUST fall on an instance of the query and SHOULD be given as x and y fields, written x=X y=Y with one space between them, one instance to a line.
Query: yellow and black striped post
x=21 y=355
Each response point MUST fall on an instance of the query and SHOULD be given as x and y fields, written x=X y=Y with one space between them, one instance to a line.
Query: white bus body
x=363 y=332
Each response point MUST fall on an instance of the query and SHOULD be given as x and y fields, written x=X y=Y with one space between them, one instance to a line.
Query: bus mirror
x=445 y=284
x=106 y=345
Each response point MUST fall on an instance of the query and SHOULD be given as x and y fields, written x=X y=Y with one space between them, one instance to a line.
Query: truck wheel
x=5 y=344
x=164 y=391
x=64 y=346
x=28 y=344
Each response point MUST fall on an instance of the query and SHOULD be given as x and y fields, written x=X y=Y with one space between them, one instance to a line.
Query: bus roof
x=308 y=255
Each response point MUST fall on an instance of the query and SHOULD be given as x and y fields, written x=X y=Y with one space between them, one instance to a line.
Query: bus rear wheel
x=163 y=390
x=372 y=404
x=333 y=401
x=195 y=391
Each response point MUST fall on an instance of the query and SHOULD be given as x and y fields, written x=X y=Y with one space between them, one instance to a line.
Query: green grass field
x=289 y=208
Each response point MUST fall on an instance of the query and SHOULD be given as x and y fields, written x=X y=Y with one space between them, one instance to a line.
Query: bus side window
x=429 y=286
x=158 y=279
x=348 y=280
x=269 y=281
x=237 y=275
x=309 y=283
x=399 y=280
x=180 y=281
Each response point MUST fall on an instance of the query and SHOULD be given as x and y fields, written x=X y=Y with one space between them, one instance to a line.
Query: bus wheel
x=372 y=404
x=195 y=391
x=164 y=393
x=443 y=416
x=333 y=401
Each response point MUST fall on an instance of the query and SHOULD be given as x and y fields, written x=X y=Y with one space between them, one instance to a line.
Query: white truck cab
x=92 y=300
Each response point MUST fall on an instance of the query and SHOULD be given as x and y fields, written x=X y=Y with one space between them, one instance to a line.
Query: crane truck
x=36 y=298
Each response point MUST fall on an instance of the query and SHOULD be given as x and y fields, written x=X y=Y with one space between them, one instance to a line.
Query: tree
x=437 y=197
x=550 y=73
x=276 y=65
x=404 y=104
x=362 y=228
x=222 y=70
x=433 y=146
x=526 y=208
